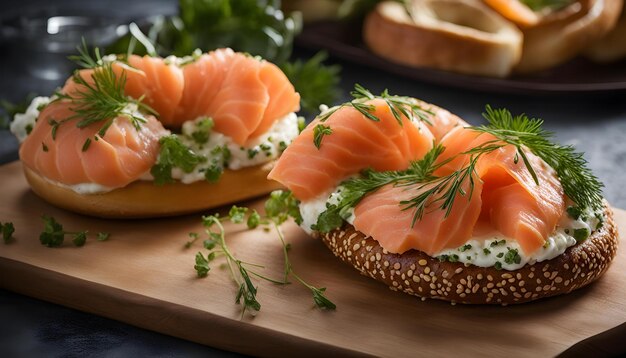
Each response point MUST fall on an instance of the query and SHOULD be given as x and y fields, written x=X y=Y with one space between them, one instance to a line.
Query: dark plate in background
x=580 y=75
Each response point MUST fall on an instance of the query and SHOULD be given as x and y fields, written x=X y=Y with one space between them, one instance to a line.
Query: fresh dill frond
x=355 y=189
x=84 y=59
x=578 y=182
x=440 y=193
x=399 y=106
x=101 y=98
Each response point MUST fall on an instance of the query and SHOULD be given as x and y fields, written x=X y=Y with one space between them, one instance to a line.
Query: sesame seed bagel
x=418 y=274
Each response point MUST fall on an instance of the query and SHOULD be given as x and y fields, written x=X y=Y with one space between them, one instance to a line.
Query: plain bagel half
x=418 y=274
x=464 y=36
x=142 y=199
x=563 y=34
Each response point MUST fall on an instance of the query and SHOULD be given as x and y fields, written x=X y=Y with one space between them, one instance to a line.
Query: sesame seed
x=422 y=262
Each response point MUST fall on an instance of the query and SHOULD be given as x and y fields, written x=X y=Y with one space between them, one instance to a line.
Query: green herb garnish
x=7 y=229
x=10 y=109
x=203 y=131
x=316 y=83
x=319 y=131
x=80 y=238
x=578 y=182
x=434 y=193
x=538 y=5
x=399 y=105
x=581 y=234
x=465 y=247
x=279 y=207
x=102 y=99
x=173 y=154
x=53 y=234
x=512 y=257
x=574 y=212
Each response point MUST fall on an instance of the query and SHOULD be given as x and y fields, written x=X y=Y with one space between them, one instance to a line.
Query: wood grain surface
x=144 y=276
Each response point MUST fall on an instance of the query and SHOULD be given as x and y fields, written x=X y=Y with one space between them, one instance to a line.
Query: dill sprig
x=101 y=100
x=440 y=193
x=355 y=189
x=578 y=182
x=399 y=106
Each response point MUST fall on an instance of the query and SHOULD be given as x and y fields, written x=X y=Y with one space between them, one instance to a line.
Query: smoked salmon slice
x=243 y=95
x=505 y=198
x=440 y=121
x=122 y=156
x=381 y=216
x=356 y=143
x=158 y=82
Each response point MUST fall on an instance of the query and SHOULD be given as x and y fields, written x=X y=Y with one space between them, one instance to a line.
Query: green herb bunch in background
x=257 y=27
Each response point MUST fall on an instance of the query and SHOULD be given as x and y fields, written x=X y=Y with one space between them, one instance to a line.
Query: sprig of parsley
x=7 y=229
x=53 y=234
x=317 y=83
x=173 y=153
x=256 y=27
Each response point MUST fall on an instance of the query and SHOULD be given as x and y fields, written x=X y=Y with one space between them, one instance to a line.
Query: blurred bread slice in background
x=464 y=36
x=611 y=47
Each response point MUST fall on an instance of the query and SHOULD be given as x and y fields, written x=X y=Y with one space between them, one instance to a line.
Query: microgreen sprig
x=279 y=207
x=53 y=234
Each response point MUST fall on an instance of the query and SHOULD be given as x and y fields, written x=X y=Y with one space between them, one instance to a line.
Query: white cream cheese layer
x=23 y=123
x=262 y=149
x=485 y=251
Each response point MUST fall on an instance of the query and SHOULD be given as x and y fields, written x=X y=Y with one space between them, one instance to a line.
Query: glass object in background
x=41 y=40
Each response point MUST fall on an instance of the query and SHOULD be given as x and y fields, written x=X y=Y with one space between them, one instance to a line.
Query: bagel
x=144 y=199
x=235 y=113
x=612 y=47
x=463 y=36
x=561 y=35
x=418 y=274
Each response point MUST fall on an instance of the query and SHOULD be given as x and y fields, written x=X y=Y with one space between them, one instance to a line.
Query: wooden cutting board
x=144 y=276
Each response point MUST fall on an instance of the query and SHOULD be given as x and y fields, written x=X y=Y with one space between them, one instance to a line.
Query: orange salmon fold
x=356 y=143
x=505 y=198
x=122 y=156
